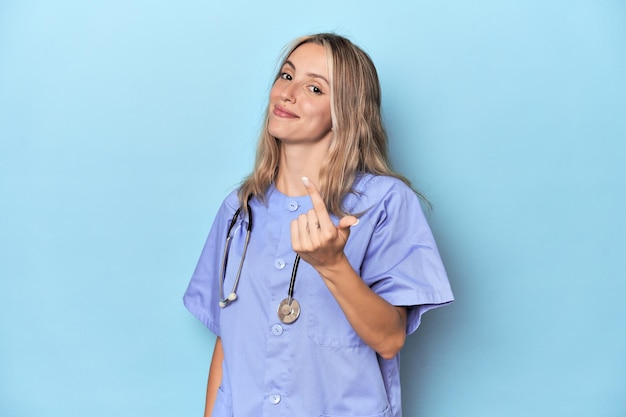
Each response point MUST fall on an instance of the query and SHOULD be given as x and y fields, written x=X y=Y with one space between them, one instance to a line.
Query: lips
x=281 y=112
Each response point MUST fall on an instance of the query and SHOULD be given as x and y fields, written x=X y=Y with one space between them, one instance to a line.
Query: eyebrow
x=309 y=74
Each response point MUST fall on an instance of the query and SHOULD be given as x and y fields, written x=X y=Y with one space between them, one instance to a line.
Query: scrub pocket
x=327 y=324
x=223 y=406
x=386 y=413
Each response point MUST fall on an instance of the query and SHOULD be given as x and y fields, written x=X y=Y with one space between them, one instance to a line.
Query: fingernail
x=355 y=223
x=306 y=181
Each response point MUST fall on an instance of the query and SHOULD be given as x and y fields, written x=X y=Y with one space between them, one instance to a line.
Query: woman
x=340 y=263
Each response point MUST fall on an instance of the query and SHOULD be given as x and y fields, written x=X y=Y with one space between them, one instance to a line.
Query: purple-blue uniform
x=318 y=365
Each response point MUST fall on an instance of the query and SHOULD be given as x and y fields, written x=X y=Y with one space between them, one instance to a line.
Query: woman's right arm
x=215 y=377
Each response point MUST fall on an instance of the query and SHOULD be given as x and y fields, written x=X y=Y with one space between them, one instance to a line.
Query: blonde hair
x=359 y=142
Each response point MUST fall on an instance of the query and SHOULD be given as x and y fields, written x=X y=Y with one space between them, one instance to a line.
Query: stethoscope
x=289 y=308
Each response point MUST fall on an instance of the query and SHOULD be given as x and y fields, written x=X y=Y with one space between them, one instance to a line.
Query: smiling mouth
x=280 y=112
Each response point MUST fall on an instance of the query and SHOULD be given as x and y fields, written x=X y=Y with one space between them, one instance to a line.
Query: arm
x=320 y=243
x=381 y=325
x=215 y=377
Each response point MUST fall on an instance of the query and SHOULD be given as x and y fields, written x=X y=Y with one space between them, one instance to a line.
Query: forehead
x=309 y=57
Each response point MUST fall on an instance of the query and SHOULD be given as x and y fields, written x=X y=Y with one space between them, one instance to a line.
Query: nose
x=288 y=93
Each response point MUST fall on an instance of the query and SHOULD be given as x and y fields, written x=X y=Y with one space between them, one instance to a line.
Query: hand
x=314 y=236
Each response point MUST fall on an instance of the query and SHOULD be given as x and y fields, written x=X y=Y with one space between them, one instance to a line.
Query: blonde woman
x=321 y=263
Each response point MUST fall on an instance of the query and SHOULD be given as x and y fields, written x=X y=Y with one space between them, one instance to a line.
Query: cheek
x=328 y=120
x=274 y=92
x=322 y=114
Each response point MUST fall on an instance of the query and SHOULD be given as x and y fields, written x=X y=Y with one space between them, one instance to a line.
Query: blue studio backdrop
x=123 y=124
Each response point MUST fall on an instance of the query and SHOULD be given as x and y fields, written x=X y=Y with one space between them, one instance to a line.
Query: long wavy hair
x=359 y=141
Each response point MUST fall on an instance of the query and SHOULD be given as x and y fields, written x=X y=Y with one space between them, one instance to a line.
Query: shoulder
x=232 y=200
x=229 y=205
x=371 y=183
x=373 y=190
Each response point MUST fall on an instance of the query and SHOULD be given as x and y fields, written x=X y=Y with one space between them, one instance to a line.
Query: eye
x=315 y=90
x=286 y=76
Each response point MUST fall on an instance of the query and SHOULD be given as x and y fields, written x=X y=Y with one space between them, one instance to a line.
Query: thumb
x=345 y=224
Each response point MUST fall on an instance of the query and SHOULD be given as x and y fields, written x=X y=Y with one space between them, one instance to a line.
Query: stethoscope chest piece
x=289 y=310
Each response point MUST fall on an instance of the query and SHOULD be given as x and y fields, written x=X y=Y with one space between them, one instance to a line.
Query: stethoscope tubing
x=289 y=308
x=233 y=294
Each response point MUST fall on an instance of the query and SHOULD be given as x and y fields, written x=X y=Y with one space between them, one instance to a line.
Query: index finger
x=318 y=203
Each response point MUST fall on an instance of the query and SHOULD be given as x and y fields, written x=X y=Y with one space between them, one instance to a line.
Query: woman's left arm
x=320 y=243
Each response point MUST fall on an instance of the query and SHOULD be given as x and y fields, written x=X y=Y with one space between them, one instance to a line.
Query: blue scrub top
x=318 y=365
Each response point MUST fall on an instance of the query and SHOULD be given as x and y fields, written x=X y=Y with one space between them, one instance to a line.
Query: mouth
x=284 y=113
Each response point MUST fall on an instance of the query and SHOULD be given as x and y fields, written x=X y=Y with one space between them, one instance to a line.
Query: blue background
x=123 y=124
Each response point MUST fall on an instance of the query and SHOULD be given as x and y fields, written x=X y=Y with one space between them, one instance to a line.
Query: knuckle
x=327 y=235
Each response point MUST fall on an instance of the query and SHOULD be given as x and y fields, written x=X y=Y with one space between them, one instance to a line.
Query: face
x=300 y=98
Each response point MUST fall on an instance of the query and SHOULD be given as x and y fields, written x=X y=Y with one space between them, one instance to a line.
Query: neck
x=297 y=162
